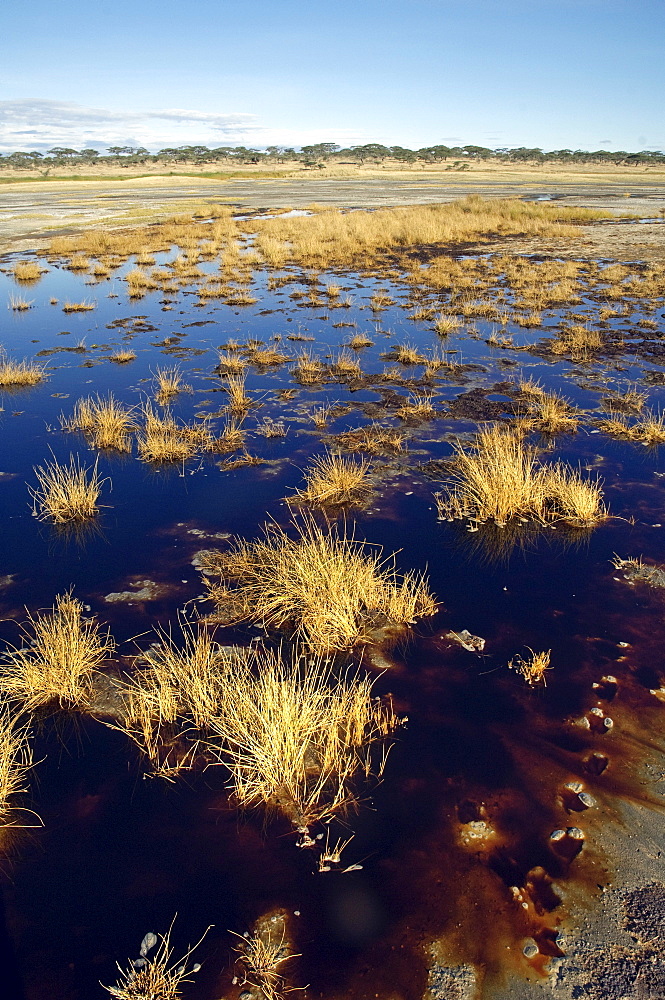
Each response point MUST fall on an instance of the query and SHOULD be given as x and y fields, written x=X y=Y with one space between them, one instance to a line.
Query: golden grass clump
x=532 y=667
x=122 y=357
x=416 y=407
x=551 y=413
x=262 y=956
x=295 y=738
x=27 y=270
x=333 y=480
x=156 y=978
x=308 y=370
x=138 y=283
x=79 y=262
x=360 y=340
x=18 y=304
x=323 y=585
x=188 y=674
x=74 y=307
x=578 y=341
x=169 y=383
x=406 y=355
x=500 y=480
x=445 y=325
x=239 y=402
x=648 y=430
x=346 y=366
x=15 y=761
x=375 y=439
x=62 y=652
x=231 y=364
x=19 y=373
x=108 y=423
x=162 y=439
x=66 y=492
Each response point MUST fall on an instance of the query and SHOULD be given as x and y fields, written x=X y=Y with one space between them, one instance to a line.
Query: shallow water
x=473 y=786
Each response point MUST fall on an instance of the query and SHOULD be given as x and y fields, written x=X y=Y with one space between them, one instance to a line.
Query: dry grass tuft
x=19 y=373
x=27 y=270
x=122 y=357
x=533 y=667
x=239 y=402
x=375 y=439
x=360 y=340
x=308 y=370
x=162 y=439
x=501 y=480
x=346 y=365
x=15 y=761
x=108 y=423
x=188 y=673
x=74 y=307
x=334 y=481
x=169 y=382
x=262 y=957
x=18 y=304
x=416 y=407
x=66 y=492
x=156 y=978
x=551 y=413
x=445 y=325
x=295 y=738
x=323 y=585
x=63 y=650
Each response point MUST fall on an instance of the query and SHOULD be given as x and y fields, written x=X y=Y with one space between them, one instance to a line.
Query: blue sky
x=551 y=73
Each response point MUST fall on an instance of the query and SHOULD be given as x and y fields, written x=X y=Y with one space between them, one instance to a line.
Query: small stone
x=530 y=949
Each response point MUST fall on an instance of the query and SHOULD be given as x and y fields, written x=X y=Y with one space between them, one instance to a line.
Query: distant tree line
x=317 y=156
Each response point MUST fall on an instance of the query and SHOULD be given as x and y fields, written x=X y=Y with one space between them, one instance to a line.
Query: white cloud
x=40 y=124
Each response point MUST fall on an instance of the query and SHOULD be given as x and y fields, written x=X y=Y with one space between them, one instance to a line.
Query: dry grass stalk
x=295 y=738
x=19 y=373
x=405 y=354
x=333 y=480
x=66 y=492
x=231 y=438
x=500 y=480
x=577 y=341
x=79 y=262
x=15 y=762
x=323 y=585
x=108 y=423
x=533 y=667
x=63 y=650
x=266 y=357
x=156 y=978
x=649 y=430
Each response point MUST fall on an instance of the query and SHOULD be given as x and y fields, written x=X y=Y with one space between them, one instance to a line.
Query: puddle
x=486 y=831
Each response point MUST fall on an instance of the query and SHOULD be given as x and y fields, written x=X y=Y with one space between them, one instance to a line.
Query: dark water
x=473 y=787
